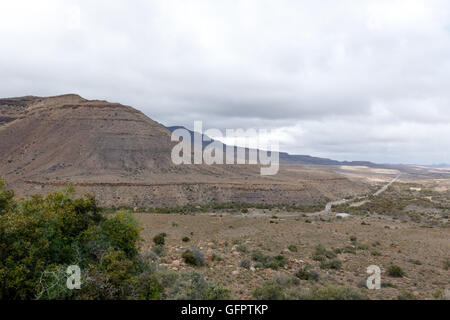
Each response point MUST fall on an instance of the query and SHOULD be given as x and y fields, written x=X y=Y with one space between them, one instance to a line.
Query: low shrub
x=333 y=293
x=216 y=257
x=266 y=261
x=242 y=248
x=387 y=284
x=193 y=286
x=307 y=274
x=6 y=198
x=327 y=258
x=285 y=280
x=415 y=261
x=375 y=253
x=395 y=271
x=335 y=264
x=321 y=254
x=270 y=290
x=160 y=239
x=158 y=250
x=446 y=264
x=41 y=236
x=405 y=295
x=349 y=249
x=194 y=257
x=245 y=263
x=362 y=246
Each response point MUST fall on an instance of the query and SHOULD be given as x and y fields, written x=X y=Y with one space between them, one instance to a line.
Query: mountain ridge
x=123 y=157
x=286 y=158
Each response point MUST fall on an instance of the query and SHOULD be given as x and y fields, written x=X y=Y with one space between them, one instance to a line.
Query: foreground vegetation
x=40 y=237
x=178 y=255
x=234 y=207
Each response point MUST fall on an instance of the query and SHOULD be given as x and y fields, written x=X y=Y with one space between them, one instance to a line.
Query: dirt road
x=386 y=186
x=330 y=204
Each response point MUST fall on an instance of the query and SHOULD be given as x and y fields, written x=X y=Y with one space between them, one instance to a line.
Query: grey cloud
x=347 y=79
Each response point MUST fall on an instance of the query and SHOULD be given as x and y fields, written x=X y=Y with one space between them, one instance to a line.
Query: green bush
x=327 y=258
x=446 y=264
x=276 y=262
x=193 y=286
x=395 y=271
x=321 y=254
x=270 y=290
x=122 y=231
x=333 y=293
x=405 y=295
x=439 y=295
x=186 y=239
x=188 y=257
x=307 y=274
x=245 y=263
x=160 y=239
x=216 y=257
x=242 y=248
x=258 y=256
x=285 y=280
x=273 y=290
x=335 y=264
x=217 y=292
x=362 y=246
x=375 y=253
x=266 y=261
x=6 y=198
x=193 y=257
x=292 y=248
x=113 y=278
x=387 y=284
x=41 y=236
x=159 y=250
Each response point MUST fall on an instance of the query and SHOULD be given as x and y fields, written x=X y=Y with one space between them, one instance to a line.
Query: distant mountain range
x=439 y=165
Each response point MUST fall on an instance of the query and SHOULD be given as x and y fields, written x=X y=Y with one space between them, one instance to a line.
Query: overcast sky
x=349 y=80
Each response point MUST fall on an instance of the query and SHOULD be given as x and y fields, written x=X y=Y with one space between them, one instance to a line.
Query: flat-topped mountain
x=68 y=136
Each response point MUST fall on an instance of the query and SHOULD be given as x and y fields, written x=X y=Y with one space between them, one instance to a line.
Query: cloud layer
x=350 y=80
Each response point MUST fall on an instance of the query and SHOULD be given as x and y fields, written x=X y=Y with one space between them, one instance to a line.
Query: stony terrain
x=421 y=248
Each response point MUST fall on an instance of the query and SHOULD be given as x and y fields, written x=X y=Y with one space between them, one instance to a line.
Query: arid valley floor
x=408 y=228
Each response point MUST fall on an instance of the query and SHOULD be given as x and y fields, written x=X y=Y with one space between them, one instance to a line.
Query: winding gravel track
x=327 y=209
x=329 y=205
